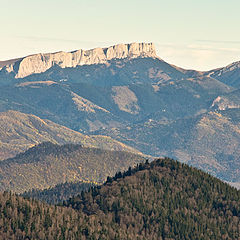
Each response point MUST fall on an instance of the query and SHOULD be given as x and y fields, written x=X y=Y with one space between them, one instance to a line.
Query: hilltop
x=163 y=199
x=48 y=164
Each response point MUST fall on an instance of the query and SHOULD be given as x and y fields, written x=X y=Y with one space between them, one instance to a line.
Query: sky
x=192 y=34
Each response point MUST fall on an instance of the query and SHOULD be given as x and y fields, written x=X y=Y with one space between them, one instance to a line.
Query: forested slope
x=159 y=200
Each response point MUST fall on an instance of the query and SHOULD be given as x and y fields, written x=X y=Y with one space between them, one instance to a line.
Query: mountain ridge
x=229 y=74
x=48 y=164
x=136 y=96
x=100 y=55
x=39 y=63
x=20 y=131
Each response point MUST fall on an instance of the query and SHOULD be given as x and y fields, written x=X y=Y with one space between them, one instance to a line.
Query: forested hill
x=163 y=199
x=48 y=164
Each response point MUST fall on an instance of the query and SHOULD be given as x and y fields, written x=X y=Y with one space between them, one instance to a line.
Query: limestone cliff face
x=39 y=63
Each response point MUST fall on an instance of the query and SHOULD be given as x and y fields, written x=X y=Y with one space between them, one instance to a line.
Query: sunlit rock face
x=39 y=63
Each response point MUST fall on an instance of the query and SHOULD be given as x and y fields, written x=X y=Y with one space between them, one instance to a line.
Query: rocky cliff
x=39 y=63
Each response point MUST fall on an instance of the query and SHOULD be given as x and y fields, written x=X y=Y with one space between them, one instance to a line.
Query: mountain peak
x=39 y=63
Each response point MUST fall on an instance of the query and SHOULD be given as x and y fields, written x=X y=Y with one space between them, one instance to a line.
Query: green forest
x=163 y=199
x=59 y=193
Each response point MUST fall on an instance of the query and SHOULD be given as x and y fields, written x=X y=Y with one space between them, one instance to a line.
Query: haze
x=192 y=34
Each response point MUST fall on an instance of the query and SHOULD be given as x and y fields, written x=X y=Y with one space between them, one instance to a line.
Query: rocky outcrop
x=39 y=63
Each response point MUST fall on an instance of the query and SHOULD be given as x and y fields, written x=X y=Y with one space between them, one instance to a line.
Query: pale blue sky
x=200 y=34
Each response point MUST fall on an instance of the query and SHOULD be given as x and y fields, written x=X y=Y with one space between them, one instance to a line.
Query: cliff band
x=39 y=63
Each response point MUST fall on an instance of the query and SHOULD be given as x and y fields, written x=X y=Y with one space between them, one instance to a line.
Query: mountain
x=197 y=141
x=8 y=62
x=39 y=63
x=159 y=200
x=229 y=75
x=91 y=97
x=19 y=131
x=48 y=164
x=129 y=93
x=56 y=102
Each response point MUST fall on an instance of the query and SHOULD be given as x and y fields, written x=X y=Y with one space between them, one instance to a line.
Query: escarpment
x=39 y=63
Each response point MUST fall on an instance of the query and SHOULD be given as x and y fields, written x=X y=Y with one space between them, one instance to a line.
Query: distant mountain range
x=209 y=141
x=130 y=94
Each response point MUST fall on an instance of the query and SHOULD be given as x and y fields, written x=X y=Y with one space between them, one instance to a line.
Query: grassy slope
x=19 y=131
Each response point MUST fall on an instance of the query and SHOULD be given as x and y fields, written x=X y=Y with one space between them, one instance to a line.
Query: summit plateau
x=39 y=63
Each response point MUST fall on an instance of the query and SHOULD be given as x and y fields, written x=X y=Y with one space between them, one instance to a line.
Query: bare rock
x=39 y=63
